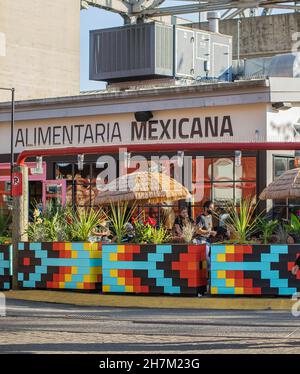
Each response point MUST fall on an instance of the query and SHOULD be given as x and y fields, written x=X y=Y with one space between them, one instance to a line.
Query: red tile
x=230 y=257
x=239 y=274
x=122 y=273
x=26 y=261
x=248 y=283
x=239 y=257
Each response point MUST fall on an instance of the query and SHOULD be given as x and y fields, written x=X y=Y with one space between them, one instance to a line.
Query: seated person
x=102 y=232
x=204 y=222
x=180 y=221
x=296 y=266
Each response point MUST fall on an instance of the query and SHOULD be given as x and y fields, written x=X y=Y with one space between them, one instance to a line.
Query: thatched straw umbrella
x=143 y=187
x=287 y=186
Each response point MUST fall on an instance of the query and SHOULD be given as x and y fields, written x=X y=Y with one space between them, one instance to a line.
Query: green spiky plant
x=119 y=216
x=83 y=221
x=242 y=221
x=5 y=221
x=159 y=235
x=267 y=228
x=294 y=227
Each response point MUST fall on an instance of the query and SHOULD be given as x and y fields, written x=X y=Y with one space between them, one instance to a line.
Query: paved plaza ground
x=36 y=327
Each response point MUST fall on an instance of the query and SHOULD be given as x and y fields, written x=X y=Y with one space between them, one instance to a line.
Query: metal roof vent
x=286 y=65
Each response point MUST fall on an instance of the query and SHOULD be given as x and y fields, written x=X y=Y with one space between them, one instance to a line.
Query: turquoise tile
x=160 y=282
x=109 y=248
x=226 y=291
x=270 y=274
x=279 y=248
x=77 y=278
x=163 y=248
x=108 y=281
x=6 y=285
x=21 y=246
x=71 y=285
x=216 y=249
x=20 y=276
x=156 y=257
x=172 y=290
x=155 y=273
x=270 y=257
x=218 y=282
x=41 y=269
x=287 y=291
x=35 y=246
x=35 y=277
x=77 y=246
x=279 y=283
x=114 y=288
x=29 y=284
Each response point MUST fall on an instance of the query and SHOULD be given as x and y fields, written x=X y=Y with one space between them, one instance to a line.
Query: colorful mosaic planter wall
x=254 y=269
x=5 y=266
x=154 y=269
x=60 y=265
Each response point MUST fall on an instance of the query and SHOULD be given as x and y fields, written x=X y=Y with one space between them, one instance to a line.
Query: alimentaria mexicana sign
x=169 y=130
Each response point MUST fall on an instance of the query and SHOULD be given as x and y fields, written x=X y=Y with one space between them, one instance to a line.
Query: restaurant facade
x=262 y=110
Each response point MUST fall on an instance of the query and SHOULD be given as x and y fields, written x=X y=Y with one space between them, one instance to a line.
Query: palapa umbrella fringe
x=287 y=186
x=143 y=186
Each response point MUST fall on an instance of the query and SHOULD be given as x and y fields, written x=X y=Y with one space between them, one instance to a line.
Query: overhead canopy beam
x=151 y=8
x=116 y=6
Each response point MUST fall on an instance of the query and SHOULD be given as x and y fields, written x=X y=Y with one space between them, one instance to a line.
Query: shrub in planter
x=5 y=223
x=241 y=221
x=59 y=224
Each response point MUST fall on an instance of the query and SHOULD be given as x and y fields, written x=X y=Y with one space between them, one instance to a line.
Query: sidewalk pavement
x=169 y=302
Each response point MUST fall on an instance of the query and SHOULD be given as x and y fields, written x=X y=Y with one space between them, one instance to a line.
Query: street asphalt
x=35 y=327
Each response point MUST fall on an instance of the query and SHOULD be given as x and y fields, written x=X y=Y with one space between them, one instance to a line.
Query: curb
x=168 y=302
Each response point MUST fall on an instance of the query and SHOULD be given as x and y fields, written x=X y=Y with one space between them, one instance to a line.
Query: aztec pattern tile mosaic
x=60 y=265
x=154 y=269
x=254 y=269
x=5 y=266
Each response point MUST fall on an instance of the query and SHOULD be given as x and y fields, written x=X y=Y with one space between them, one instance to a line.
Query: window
x=81 y=184
x=284 y=208
x=222 y=181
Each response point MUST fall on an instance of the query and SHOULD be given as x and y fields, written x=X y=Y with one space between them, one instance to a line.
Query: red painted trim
x=270 y=146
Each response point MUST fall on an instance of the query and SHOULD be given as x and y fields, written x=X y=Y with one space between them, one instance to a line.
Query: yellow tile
x=74 y=254
x=129 y=288
x=105 y=288
x=97 y=270
x=214 y=290
x=113 y=257
x=68 y=246
x=95 y=254
x=230 y=249
x=61 y=284
x=68 y=278
x=94 y=247
x=121 y=248
x=239 y=290
x=221 y=257
x=87 y=246
x=229 y=282
x=221 y=274
x=121 y=281
x=74 y=270
x=90 y=278
x=79 y=285
x=114 y=273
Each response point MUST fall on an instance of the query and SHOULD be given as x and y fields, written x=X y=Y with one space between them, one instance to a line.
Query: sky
x=93 y=19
